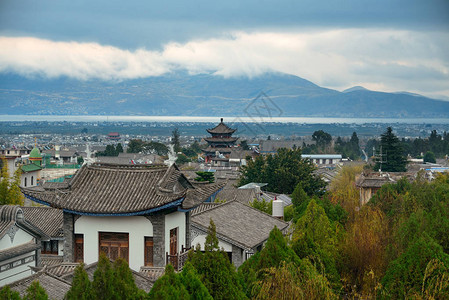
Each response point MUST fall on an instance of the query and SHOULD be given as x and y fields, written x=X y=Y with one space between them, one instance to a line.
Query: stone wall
x=158 y=222
x=69 y=239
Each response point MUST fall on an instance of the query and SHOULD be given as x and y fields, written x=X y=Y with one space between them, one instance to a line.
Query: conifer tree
x=392 y=158
x=192 y=282
x=216 y=271
x=81 y=286
x=124 y=284
x=169 y=286
x=103 y=283
x=4 y=182
x=35 y=292
x=7 y=293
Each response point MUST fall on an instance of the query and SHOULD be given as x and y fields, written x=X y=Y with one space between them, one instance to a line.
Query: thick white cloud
x=387 y=60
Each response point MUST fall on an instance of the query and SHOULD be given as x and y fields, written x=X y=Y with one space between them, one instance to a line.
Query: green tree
x=81 y=286
x=322 y=139
x=124 y=285
x=119 y=148
x=262 y=205
x=182 y=159
x=204 y=176
x=80 y=160
x=135 y=146
x=405 y=275
x=175 y=140
x=283 y=171
x=315 y=238
x=392 y=158
x=216 y=271
x=429 y=157
x=244 y=145
x=103 y=283
x=10 y=188
x=192 y=282
x=35 y=292
x=7 y=294
x=169 y=286
x=4 y=182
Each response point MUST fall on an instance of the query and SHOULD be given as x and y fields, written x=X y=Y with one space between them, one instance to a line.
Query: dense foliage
x=9 y=187
x=111 y=150
x=204 y=176
x=139 y=146
x=283 y=171
x=391 y=156
x=217 y=273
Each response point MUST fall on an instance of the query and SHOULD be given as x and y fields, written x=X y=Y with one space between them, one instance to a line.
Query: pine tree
x=81 y=286
x=124 y=284
x=103 y=283
x=8 y=294
x=391 y=151
x=192 y=282
x=169 y=286
x=35 y=292
x=216 y=271
x=4 y=182
x=15 y=196
x=176 y=143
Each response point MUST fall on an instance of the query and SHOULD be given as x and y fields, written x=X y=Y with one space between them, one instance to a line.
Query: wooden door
x=174 y=247
x=114 y=245
x=148 y=251
x=79 y=248
x=174 y=241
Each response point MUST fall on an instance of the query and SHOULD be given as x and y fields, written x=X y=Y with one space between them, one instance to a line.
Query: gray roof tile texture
x=240 y=223
x=112 y=189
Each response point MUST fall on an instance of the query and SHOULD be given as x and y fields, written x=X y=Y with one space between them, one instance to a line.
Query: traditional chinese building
x=220 y=142
x=137 y=212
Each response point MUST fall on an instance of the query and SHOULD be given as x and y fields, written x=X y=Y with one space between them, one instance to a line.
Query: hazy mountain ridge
x=205 y=95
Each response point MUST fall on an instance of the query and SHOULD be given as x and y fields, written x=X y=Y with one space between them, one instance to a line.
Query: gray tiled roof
x=62 y=269
x=47 y=219
x=153 y=273
x=113 y=189
x=203 y=207
x=241 y=195
x=51 y=260
x=142 y=282
x=55 y=287
x=221 y=128
x=11 y=215
x=18 y=250
x=239 y=223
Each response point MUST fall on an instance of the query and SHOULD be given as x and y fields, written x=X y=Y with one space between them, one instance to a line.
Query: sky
x=382 y=45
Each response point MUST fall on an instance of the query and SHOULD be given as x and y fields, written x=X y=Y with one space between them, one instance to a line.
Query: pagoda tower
x=221 y=141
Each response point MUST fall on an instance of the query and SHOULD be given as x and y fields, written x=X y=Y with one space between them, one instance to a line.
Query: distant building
x=20 y=244
x=114 y=136
x=220 y=143
x=137 y=212
x=323 y=159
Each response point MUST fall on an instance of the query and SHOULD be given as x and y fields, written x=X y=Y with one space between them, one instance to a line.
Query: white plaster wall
x=137 y=226
x=173 y=220
x=36 y=176
x=61 y=248
x=18 y=272
x=21 y=237
x=201 y=239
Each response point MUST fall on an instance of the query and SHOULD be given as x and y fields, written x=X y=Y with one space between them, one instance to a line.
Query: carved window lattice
x=114 y=245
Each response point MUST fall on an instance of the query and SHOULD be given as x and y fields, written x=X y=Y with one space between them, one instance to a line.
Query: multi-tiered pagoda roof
x=221 y=140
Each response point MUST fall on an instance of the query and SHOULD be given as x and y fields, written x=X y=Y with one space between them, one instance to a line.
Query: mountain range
x=182 y=94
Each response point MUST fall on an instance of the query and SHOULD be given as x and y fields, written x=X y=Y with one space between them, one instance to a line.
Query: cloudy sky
x=384 y=45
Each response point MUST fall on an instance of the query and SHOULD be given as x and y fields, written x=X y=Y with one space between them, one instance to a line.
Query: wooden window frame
x=108 y=243
x=79 y=251
x=148 y=258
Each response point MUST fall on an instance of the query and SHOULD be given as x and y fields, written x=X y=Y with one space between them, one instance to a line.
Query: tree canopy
x=283 y=171
x=391 y=156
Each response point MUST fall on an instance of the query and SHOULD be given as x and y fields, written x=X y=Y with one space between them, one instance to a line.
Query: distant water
x=301 y=120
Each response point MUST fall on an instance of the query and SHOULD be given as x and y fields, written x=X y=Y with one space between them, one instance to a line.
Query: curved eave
x=213 y=131
x=172 y=204
x=207 y=200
